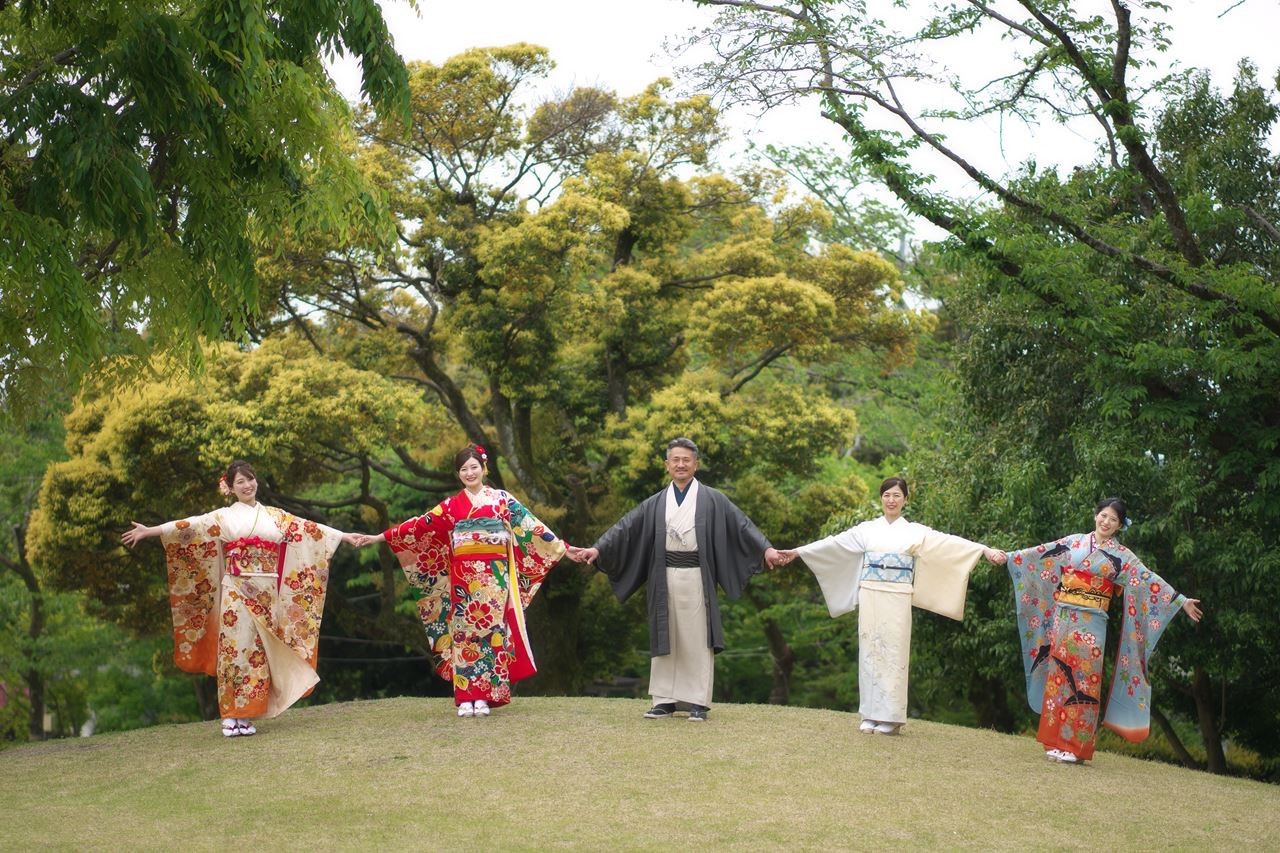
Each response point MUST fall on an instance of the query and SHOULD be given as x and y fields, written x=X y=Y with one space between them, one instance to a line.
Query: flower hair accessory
x=484 y=457
x=1127 y=522
x=224 y=487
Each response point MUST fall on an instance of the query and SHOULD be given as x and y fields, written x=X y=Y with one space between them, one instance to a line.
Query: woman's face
x=1107 y=522
x=892 y=500
x=471 y=473
x=245 y=487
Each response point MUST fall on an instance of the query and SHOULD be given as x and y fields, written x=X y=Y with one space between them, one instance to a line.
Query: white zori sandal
x=230 y=727
x=246 y=727
x=466 y=709
x=482 y=708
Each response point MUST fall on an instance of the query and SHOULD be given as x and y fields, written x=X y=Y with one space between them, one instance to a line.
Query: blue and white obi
x=888 y=566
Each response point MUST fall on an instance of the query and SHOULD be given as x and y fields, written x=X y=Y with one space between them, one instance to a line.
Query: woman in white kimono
x=884 y=567
x=247 y=586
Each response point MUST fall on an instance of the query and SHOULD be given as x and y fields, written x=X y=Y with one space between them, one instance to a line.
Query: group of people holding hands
x=247 y=586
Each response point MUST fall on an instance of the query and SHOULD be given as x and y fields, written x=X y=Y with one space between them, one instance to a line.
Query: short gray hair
x=685 y=443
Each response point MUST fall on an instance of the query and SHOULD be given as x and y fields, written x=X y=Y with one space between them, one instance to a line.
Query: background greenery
x=573 y=280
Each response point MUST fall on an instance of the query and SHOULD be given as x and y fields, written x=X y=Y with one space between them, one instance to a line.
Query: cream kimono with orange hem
x=246 y=588
x=885 y=568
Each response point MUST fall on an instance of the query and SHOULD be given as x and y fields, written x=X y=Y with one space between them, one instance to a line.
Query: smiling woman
x=885 y=567
x=1062 y=591
x=477 y=558
x=247 y=586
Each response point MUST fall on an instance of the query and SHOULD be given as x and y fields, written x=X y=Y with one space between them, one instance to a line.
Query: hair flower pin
x=484 y=457
x=224 y=487
x=1128 y=522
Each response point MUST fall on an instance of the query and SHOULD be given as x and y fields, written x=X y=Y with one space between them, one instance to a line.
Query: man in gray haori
x=683 y=541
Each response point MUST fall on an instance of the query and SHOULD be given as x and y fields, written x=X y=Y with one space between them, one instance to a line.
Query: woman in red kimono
x=478 y=558
x=1062 y=591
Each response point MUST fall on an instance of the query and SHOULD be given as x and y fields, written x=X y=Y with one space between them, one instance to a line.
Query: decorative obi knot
x=251 y=555
x=1085 y=590
x=480 y=539
x=888 y=566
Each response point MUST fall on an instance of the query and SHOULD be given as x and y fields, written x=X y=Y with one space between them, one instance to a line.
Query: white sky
x=619 y=46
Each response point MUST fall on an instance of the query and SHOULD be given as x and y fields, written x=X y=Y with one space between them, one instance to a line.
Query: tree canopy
x=148 y=150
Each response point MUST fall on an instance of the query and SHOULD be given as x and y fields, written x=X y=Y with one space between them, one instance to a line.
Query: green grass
x=591 y=774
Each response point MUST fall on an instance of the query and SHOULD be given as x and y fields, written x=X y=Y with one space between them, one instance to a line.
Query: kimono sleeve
x=1150 y=603
x=1034 y=572
x=535 y=548
x=836 y=562
x=193 y=564
x=942 y=568
x=423 y=547
x=629 y=548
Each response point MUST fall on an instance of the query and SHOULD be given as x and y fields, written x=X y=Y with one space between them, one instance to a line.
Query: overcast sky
x=619 y=46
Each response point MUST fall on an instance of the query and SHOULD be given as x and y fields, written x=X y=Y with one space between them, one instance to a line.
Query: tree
x=147 y=150
x=575 y=285
x=1122 y=323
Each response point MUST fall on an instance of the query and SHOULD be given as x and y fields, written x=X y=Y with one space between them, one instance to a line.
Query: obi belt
x=1085 y=590
x=888 y=566
x=255 y=557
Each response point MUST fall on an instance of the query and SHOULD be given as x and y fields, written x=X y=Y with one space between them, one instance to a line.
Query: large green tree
x=1121 y=320
x=575 y=284
x=147 y=149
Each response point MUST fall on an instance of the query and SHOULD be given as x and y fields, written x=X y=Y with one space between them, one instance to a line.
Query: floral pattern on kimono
x=258 y=634
x=466 y=559
x=1063 y=639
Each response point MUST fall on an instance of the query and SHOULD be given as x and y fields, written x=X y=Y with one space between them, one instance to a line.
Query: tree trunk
x=1171 y=736
x=553 y=626
x=1202 y=692
x=990 y=701
x=35 y=630
x=784 y=657
x=206 y=688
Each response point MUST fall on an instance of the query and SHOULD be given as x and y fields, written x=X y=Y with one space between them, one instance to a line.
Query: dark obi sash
x=682 y=559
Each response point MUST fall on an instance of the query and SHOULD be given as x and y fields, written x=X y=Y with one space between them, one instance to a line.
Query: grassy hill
x=591 y=774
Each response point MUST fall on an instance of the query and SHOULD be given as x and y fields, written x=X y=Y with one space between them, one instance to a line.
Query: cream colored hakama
x=688 y=673
x=941 y=579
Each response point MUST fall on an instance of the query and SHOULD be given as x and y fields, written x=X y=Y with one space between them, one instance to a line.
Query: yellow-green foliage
x=154 y=452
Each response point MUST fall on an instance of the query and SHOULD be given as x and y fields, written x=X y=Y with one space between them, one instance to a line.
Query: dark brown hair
x=238 y=467
x=895 y=481
x=1115 y=504
x=471 y=452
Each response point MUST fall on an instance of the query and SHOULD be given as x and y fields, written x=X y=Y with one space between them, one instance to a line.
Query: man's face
x=682 y=464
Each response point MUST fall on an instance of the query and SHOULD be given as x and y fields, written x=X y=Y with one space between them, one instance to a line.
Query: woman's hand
x=362 y=539
x=994 y=555
x=582 y=555
x=137 y=533
x=1192 y=608
x=781 y=557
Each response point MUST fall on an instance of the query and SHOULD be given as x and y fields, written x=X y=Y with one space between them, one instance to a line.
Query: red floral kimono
x=1062 y=593
x=478 y=564
x=246 y=590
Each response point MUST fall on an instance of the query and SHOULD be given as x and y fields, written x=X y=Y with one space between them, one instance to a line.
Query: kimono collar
x=680 y=493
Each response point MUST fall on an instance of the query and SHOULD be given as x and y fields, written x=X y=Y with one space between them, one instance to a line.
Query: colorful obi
x=251 y=555
x=480 y=539
x=1085 y=590
x=888 y=566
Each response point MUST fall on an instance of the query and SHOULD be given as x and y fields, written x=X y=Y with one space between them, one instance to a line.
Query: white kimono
x=939 y=581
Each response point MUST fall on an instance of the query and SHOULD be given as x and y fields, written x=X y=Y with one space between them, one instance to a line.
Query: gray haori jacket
x=730 y=550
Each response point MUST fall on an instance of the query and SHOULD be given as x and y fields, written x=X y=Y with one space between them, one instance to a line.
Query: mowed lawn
x=592 y=774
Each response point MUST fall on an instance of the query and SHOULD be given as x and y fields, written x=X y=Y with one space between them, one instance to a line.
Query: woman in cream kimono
x=246 y=589
x=885 y=567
